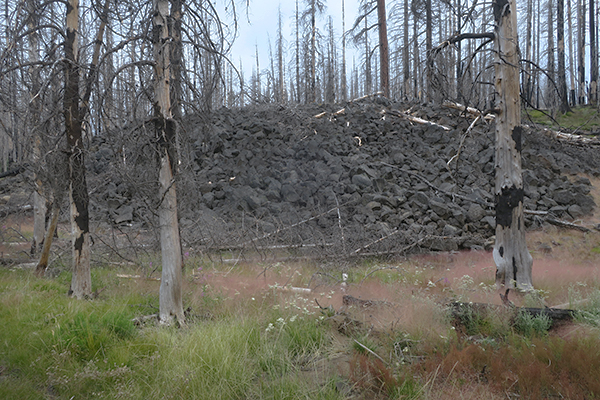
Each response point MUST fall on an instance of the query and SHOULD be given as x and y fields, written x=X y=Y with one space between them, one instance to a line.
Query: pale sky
x=263 y=17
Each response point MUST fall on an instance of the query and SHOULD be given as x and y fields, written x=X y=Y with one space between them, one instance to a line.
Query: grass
x=586 y=118
x=247 y=338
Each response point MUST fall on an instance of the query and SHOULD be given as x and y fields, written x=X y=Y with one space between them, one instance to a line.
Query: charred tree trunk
x=344 y=88
x=428 y=46
x=40 y=269
x=593 y=55
x=563 y=106
x=581 y=50
x=384 y=54
x=176 y=90
x=313 y=53
x=170 y=300
x=550 y=68
x=81 y=283
x=513 y=261
x=571 y=63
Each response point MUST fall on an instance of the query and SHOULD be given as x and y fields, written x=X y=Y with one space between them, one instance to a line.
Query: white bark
x=513 y=261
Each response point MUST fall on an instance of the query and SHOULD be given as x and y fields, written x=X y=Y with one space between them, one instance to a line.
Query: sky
x=263 y=16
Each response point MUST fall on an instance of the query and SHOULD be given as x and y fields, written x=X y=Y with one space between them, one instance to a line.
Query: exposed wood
x=42 y=265
x=367 y=96
x=416 y=120
x=565 y=224
x=513 y=260
x=473 y=111
x=81 y=282
x=170 y=294
x=569 y=137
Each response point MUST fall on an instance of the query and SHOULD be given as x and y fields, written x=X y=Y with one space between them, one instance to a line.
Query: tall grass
x=53 y=346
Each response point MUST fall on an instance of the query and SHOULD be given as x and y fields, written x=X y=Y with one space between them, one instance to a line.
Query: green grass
x=584 y=119
x=54 y=346
x=273 y=344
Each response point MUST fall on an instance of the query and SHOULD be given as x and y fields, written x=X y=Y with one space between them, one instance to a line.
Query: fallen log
x=556 y=315
x=571 y=138
x=565 y=224
x=416 y=120
x=473 y=111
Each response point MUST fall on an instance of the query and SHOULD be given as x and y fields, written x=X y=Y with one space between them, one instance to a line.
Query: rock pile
x=361 y=180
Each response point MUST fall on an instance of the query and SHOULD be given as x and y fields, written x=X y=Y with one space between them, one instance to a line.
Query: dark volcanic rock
x=279 y=173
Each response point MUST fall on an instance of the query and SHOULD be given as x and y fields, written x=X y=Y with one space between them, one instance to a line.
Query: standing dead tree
x=513 y=261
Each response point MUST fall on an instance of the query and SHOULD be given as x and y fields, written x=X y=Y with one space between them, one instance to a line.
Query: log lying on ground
x=571 y=138
x=556 y=315
x=416 y=120
x=473 y=111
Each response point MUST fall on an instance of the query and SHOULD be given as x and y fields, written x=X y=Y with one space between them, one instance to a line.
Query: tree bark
x=384 y=55
x=581 y=50
x=40 y=269
x=428 y=47
x=513 y=261
x=562 y=78
x=39 y=201
x=405 y=54
x=550 y=68
x=344 y=88
x=313 y=53
x=593 y=55
x=170 y=297
x=81 y=283
x=571 y=63
x=176 y=89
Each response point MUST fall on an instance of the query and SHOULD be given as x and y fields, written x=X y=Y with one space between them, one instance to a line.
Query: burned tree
x=166 y=130
x=81 y=283
x=513 y=261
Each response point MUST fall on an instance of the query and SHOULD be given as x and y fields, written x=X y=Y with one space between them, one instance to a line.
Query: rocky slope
x=362 y=181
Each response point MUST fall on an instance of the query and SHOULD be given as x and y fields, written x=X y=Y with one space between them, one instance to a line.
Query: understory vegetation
x=254 y=331
x=582 y=119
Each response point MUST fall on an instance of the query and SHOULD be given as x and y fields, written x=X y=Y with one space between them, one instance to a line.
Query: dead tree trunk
x=81 y=283
x=513 y=261
x=170 y=300
x=562 y=78
x=40 y=269
x=581 y=50
x=593 y=55
x=39 y=201
x=384 y=56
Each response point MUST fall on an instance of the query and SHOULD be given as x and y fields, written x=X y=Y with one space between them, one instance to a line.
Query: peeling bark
x=513 y=261
x=42 y=265
x=81 y=283
x=170 y=296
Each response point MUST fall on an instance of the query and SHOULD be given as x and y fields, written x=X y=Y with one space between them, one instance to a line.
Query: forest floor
x=278 y=322
x=302 y=330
